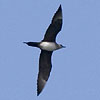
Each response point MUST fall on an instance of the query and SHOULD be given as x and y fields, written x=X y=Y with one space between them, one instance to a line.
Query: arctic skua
x=47 y=46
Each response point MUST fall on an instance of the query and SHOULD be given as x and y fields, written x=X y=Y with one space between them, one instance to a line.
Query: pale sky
x=75 y=73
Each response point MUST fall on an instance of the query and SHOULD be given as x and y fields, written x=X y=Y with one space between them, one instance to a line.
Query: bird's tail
x=33 y=44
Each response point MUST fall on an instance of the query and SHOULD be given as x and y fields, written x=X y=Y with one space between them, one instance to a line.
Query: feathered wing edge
x=44 y=70
x=54 y=27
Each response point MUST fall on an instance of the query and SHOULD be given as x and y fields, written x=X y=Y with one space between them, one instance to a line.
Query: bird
x=47 y=46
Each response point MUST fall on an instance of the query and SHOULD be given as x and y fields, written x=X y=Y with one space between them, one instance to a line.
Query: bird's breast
x=48 y=46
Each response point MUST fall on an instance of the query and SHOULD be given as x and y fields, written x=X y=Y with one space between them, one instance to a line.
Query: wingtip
x=38 y=89
x=40 y=84
x=60 y=6
x=38 y=93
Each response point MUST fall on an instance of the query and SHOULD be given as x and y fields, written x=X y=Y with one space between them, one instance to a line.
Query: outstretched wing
x=54 y=27
x=44 y=70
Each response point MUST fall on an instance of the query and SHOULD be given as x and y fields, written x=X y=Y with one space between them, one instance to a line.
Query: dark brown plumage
x=54 y=27
x=47 y=46
x=45 y=56
x=44 y=69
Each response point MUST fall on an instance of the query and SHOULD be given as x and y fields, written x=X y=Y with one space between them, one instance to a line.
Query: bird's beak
x=63 y=46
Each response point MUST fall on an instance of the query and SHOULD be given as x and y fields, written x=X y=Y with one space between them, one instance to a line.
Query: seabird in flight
x=47 y=46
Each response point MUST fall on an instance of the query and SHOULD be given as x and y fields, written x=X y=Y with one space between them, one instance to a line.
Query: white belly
x=49 y=46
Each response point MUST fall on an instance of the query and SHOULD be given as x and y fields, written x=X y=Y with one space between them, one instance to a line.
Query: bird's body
x=47 y=46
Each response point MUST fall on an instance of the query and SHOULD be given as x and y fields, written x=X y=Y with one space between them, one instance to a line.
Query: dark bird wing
x=44 y=70
x=54 y=27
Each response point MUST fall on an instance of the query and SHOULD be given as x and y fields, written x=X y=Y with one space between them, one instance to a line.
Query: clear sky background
x=75 y=73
